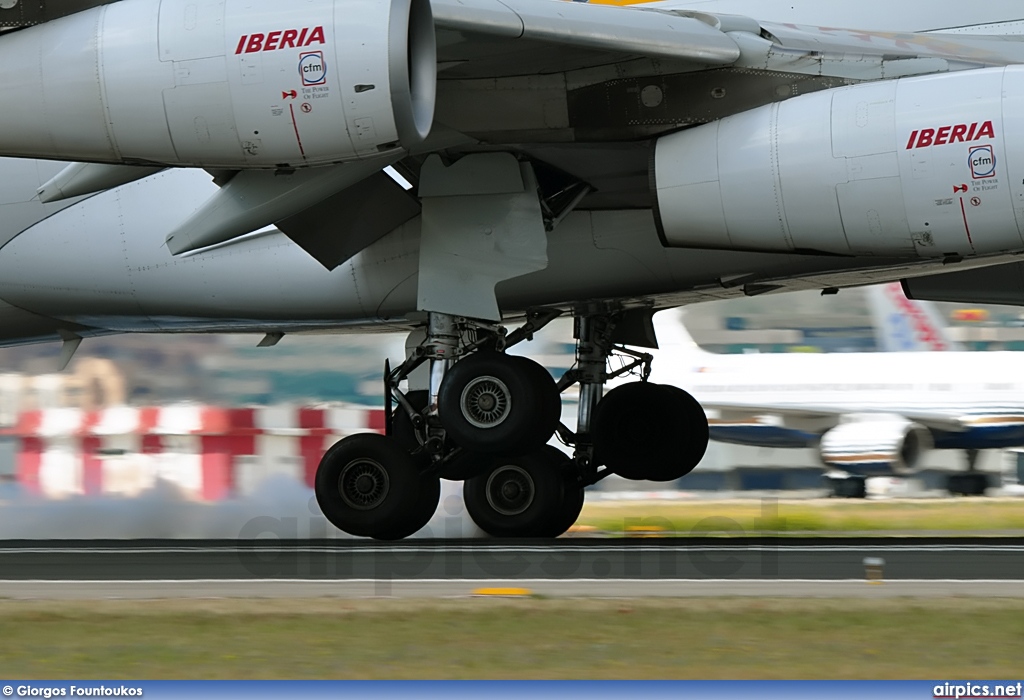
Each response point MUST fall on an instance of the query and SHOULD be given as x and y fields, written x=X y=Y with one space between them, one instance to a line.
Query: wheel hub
x=510 y=490
x=486 y=402
x=363 y=484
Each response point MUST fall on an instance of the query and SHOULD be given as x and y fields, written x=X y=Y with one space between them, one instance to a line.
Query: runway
x=605 y=567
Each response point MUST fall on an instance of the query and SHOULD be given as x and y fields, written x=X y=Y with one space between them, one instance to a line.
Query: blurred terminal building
x=345 y=370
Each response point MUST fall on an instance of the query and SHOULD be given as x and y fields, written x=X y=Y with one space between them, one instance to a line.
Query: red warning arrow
x=959 y=188
x=291 y=93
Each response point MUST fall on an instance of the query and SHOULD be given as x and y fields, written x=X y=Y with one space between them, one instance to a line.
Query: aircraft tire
x=850 y=487
x=369 y=486
x=968 y=484
x=496 y=404
x=649 y=432
x=572 y=502
x=522 y=496
x=550 y=408
x=412 y=522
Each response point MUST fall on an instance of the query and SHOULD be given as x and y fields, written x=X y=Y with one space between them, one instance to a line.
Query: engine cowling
x=875 y=445
x=920 y=167
x=221 y=83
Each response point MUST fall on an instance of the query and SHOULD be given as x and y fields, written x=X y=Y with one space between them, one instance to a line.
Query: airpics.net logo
x=970 y=691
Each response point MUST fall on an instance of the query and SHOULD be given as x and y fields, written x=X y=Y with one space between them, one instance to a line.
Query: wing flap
x=340 y=226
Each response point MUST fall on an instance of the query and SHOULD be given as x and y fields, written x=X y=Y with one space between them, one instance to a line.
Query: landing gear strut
x=642 y=430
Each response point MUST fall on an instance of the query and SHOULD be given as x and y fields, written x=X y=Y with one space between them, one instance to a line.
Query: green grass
x=826 y=516
x=486 y=638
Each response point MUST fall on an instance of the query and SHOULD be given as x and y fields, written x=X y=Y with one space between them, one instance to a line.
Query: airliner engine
x=921 y=167
x=875 y=444
x=221 y=83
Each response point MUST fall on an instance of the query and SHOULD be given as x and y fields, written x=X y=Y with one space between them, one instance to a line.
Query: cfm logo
x=982 y=160
x=282 y=39
x=313 y=68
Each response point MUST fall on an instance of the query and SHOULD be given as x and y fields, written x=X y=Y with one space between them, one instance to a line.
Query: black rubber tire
x=850 y=487
x=389 y=469
x=522 y=426
x=551 y=400
x=540 y=509
x=412 y=522
x=649 y=432
x=572 y=502
x=968 y=484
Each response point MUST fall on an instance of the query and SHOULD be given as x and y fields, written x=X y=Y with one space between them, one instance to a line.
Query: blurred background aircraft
x=867 y=414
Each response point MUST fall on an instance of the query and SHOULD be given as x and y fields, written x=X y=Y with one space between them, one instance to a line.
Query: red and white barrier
x=211 y=453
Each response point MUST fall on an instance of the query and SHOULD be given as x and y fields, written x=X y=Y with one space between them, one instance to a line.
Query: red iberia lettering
x=255 y=43
x=281 y=39
x=954 y=133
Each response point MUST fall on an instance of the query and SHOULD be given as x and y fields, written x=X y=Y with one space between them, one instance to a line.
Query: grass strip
x=499 y=638
x=773 y=516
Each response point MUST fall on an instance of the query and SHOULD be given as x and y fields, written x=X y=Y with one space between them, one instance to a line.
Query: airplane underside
x=461 y=408
x=603 y=173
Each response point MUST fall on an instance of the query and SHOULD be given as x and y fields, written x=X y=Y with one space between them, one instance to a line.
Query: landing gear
x=486 y=418
x=849 y=487
x=971 y=483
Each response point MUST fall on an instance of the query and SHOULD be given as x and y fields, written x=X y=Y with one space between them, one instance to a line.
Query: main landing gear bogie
x=486 y=419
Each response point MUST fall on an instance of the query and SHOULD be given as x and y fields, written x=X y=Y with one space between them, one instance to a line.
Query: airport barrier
x=210 y=453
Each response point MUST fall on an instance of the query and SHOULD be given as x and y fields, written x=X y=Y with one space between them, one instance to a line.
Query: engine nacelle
x=221 y=83
x=875 y=445
x=920 y=167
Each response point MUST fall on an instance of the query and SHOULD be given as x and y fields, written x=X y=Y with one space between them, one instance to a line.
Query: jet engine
x=926 y=167
x=876 y=445
x=221 y=83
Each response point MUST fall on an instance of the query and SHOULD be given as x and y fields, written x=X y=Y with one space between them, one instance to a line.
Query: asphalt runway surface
x=680 y=567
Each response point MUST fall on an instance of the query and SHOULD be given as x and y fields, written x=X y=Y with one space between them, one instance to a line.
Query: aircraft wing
x=934 y=420
x=492 y=38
